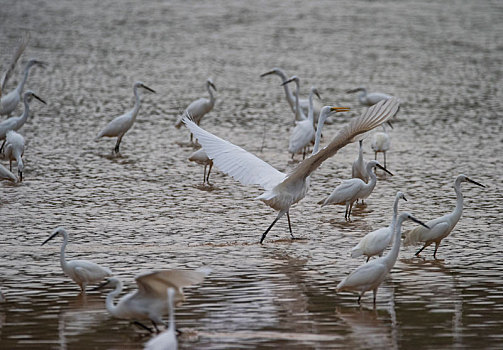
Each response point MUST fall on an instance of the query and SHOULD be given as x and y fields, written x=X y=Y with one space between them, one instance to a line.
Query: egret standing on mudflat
x=167 y=339
x=14 y=150
x=303 y=102
x=376 y=241
x=121 y=124
x=199 y=108
x=441 y=227
x=14 y=123
x=9 y=101
x=370 y=275
x=12 y=64
x=380 y=143
x=150 y=300
x=369 y=99
x=83 y=272
x=350 y=190
x=283 y=190
x=200 y=157
x=303 y=132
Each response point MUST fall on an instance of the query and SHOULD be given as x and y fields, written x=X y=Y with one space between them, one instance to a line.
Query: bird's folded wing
x=373 y=117
x=15 y=58
x=156 y=283
x=235 y=161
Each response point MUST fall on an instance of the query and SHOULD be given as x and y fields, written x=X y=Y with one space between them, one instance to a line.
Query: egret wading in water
x=6 y=174
x=283 y=190
x=121 y=124
x=8 y=102
x=381 y=143
x=15 y=123
x=199 y=108
x=12 y=64
x=368 y=99
x=82 y=272
x=370 y=275
x=200 y=157
x=167 y=339
x=359 y=167
x=303 y=132
x=350 y=190
x=441 y=227
x=376 y=241
x=14 y=150
x=150 y=302
x=290 y=98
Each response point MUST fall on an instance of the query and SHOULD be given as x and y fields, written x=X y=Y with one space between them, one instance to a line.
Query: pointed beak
x=266 y=73
x=51 y=237
x=213 y=86
x=287 y=81
x=101 y=285
x=419 y=222
x=475 y=182
x=340 y=109
x=38 y=98
x=383 y=168
x=405 y=199
x=147 y=88
x=351 y=91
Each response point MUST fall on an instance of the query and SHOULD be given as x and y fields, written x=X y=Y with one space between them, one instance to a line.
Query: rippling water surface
x=146 y=209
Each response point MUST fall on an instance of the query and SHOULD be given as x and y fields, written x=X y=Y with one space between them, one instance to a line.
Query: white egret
x=82 y=272
x=303 y=132
x=12 y=64
x=350 y=190
x=149 y=301
x=283 y=190
x=380 y=143
x=197 y=109
x=9 y=101
x=303 y=102
x=370 y=275
x=14 y=150
x=167 y=339
x=6 y=174
x=14 y=123
x=368 y=99
x=359 y=168
x=440 y=227
x=200 y=157
x=376 y=241
x=121 y=124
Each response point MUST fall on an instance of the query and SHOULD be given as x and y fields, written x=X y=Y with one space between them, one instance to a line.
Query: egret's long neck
x=362 y=95
x=289 y=96
x=310 y=111
x=297 y=104
x=110 y=298
x=210 y=91
x=360 y=152
x=20 y=86
x=395 y=212
x=62 y=258
x=372 y=176
x=137 y=102
x=321 y=121
x=171 y=314
x=26 y=112
x=458 y=211
x=392 y=255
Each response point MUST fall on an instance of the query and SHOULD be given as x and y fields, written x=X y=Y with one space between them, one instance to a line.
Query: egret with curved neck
x=83 y=272
x=8 y=103
x=440 y=227
x=359 y=167
x=375 y=242
x=282 y=190
x=350 y=190
x=370 y=275
x=121 y=124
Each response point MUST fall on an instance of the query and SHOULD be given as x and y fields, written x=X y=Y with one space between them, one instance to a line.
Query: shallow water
x=147 y=210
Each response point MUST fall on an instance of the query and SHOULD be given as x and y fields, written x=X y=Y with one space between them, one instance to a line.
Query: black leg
x=435 y=253
x=375 y=294
x=141 y=325
x=116 y=149
x=268 y=229
x=10 y=165
x=384 y=159
x=155 y=326
x=360 y=298
x=349 y=213
x=204 y=174
x=289 y=224
x=375 y=155
x=420 y=250
x=208 y=175
x=20 y=173
x=3 y=144
x=368 y=258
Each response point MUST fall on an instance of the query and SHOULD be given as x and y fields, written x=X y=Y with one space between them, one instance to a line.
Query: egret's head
x=140 y=84
x=401 y=195
x=374 y=163
x=275 y=70
x=407 y=216
x=29 y=95
x=292 y=78
x=210 y=83
x=34 y=62
x=57 y=231
x=315 y=91
x=464 y=178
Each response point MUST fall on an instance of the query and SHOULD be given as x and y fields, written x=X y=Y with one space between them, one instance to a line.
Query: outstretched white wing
x=154 y=284
x=15 y=58
x=235 y=161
